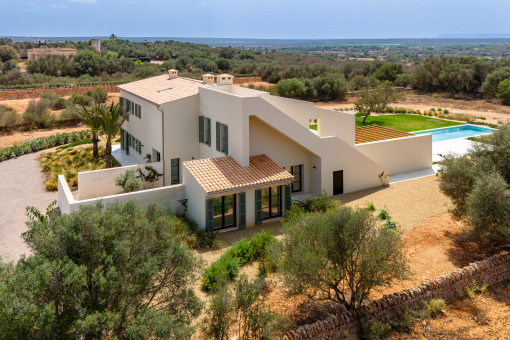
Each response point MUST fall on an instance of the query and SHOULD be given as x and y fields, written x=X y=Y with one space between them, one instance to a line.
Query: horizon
x=323 y=19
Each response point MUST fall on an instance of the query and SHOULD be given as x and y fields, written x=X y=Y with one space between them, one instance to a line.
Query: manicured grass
x=406 y=123
x=313 y=127
x=69 y=162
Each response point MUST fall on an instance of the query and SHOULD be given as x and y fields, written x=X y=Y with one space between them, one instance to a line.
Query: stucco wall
x=100 y=183
x=146 y=129
x=196 y=199
x=169 y=195
x=181 y=133
x=401 y=155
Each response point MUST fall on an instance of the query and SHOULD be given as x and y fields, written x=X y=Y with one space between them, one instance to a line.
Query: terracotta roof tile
x=160 y=89
x=224 y=174
x=374 y=133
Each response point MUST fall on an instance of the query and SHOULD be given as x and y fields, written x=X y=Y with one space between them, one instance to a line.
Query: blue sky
x=313 y=19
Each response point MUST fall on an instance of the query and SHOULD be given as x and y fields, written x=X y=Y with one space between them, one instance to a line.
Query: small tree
x=376 y=99
x=117 y=272
x=504 y=91
x=7 y=53
x=340 y=255
x=111 y=120
x=129 y=181
x=91 y=118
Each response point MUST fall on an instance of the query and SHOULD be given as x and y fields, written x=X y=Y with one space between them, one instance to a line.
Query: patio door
x=338 y=182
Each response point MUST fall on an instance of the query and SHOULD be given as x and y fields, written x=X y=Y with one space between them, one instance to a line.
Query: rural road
x=21 y=185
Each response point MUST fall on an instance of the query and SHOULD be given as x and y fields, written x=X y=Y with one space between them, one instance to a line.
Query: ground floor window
x=174 y=170
x=224 y=212
x=271 y=202
x=297 y=172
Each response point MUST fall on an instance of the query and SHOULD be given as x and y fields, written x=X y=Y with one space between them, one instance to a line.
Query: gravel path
x=21 y=185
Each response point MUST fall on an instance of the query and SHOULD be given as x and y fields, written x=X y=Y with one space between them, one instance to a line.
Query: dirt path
x=21 y=185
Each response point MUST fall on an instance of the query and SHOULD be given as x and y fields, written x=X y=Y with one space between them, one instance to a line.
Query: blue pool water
x=453 y=132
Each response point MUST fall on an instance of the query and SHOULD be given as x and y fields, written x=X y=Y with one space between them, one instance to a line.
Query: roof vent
x=225 y=79
x=208 y=78
x=173 y=74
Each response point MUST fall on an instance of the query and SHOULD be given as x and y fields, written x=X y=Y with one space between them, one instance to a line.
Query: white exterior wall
x=100 y=183
x=169 y=195
x=181 y=133
x=401 y=155
x=146 y=129
x=227 y=109
x=196 y=199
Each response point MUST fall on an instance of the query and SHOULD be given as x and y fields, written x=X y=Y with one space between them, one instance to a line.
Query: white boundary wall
x=400 y=155
x=169 y=195
x=99 y=183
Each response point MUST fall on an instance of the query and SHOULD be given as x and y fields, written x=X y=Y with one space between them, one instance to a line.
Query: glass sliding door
x=271 y=202
x=224 y=212
x=297 y=172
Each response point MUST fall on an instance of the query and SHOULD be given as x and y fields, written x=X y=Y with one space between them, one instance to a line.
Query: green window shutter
x=209 y=131
x=121 y=103
x=128 y=142
x=258 y=206
x=209 y=219
x=288 y=196
x=200 y=129
x=218 y=129
x=225 y=139
x=122 y=140
x=242 y=210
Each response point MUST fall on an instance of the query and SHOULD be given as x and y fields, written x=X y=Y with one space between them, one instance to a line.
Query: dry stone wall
x=11 y=94
x=246 y=80
x=447 y=287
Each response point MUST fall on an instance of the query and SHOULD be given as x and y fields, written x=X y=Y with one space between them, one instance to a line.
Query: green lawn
x=406 y=123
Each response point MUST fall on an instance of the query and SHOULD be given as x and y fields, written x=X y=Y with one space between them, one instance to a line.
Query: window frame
x=174 y=173
x=273 y=192
x=291 y=170
x=223 y=209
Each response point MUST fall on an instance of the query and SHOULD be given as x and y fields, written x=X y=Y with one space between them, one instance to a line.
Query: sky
x=268 y=19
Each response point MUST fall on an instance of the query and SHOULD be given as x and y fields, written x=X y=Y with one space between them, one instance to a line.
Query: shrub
x=375 y=330
x=313 y=204
x=384 y=214
x=9 y=120
x=129 y=181
x=435 y=307
x=38 y=115
x=55 y=102
x=474 y=289
x=370 y=206
x=99 y=96
x=200 y=238
x=79 y=99
x=226 y=266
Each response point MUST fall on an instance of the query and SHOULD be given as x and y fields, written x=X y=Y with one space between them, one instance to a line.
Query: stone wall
x=10 y=94
x=246 y=80
x=447 y=287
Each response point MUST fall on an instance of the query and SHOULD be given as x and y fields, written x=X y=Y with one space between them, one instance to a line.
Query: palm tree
x=111 y=119
x=93 y=121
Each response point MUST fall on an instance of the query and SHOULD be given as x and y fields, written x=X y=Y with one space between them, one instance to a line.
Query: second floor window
x=222 y=137
x=174 y=171
x=204 y=130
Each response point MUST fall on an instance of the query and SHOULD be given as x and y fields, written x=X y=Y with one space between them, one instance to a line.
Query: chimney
x=208 y=78
x=172 y=74
x=225 y=79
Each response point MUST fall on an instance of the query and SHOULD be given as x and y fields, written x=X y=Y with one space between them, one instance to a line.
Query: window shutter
x=288 y=196
x=128 y=142
x=209 y=131
x=218 y=129
x=121 y=103
x=122 y=140
x=242 y=210
x=209 y=214
x=200 y=129
x=225 y=139
x=258 y=206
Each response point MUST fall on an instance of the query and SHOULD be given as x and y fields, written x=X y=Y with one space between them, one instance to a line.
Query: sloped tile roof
x=374 y=133
x=223 y=174
x=160 y=89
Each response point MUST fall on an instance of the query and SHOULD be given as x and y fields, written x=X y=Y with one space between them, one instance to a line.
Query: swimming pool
x=454 y=132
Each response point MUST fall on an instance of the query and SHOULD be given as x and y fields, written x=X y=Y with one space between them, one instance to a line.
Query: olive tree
x=116 y=272
x=376 y=99
x=340 y=255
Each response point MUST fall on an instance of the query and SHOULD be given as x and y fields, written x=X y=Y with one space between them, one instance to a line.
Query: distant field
x=406 y=123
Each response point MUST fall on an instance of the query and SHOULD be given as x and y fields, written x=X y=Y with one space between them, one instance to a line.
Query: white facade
x=252 y=123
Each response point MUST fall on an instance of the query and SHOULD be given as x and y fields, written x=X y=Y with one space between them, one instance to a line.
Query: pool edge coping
x=449 y=127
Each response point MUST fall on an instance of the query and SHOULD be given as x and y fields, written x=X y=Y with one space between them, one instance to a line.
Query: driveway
x=21 y=185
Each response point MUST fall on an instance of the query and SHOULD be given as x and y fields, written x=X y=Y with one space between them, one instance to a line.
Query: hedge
x=42 y=143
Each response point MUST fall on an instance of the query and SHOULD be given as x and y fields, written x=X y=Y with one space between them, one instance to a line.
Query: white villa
x=233 y=157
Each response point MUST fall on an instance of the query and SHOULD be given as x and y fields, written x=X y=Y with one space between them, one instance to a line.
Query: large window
x=224 y=212
x=271 y=202
x=174 y=170
x=297 y=172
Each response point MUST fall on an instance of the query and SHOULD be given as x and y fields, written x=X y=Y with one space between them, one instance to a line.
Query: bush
x=370 y=206
x=55 y=102
x=384 y=214
x=9 y=120
x=99 y=96
x=38 y=115
x=226 y=266
x=129 y=181
x=435 y=306
x=79 y=99
x=474 y=289
x=313 y=204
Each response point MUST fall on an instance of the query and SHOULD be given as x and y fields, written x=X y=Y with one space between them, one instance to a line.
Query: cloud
x=84 y=1
x=58 y=5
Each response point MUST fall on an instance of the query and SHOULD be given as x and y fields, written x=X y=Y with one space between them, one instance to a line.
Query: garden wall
x=447 y=287
x=10 y=94
x=169 y=195
x=99 y=183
